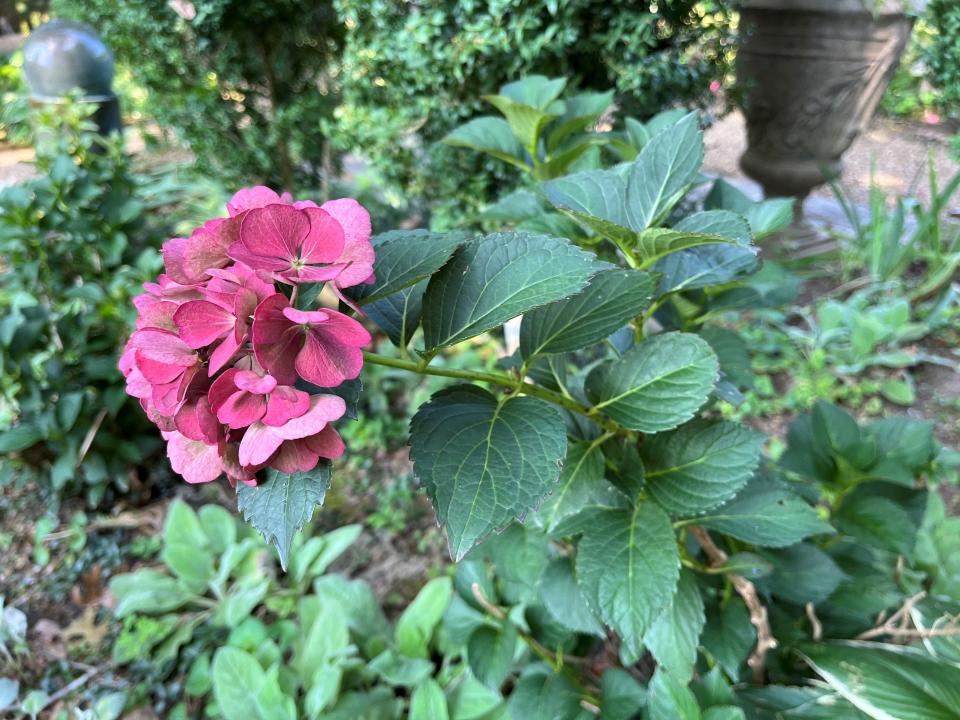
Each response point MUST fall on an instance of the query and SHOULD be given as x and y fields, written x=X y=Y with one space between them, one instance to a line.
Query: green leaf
x=732 y=352
x=770 y=216
x=417 y=623
x=596 y=199
x=280 y=507
x=193 y=565
x=729 y=636
x=398 y=315
x=669 y=698
x=766 y=513
x=888 y=682
x=147 y=591
x=702 y=267
x=724 y=712
x=484 y=462
x=564 y=599
x=428 y=702
x=242 y=599
x=238 y=681
x=663 y=171
x=490 y=653
x=404 y=257
x=183 y=526
x=536 y=91
x=19 y=437
x=718 y=222
x=396 y=669
x=525 y=121
x=628 y=566
x=582 y=484
x=656 y=385
x=219 y=528
x=541 y=694
x=749 y=565
x=700 y=465
x=674 y=636
x=622 y=695
x=877 y=521
x=472 y=700
x=653 y=244
x=490 y=135
x=498 y=277
x=325 y=635
x=611 y=299
x=802 y=573
x=323 y=690
x=516 y=207
x=579 y=111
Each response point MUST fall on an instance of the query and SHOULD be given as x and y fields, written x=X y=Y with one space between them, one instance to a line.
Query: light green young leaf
x=396 y=669
x=669 y=698
x=525 y=121
x=611 y=299
x=192 y=564
x=147 y=591
x=219 y=528
x=484 y=462
x=536 y=91
x=428 y=702
x=417 y=623
x=675 y=634
x=490 y=135
x=279 y=508
x=657 y=384
x=490 y=653
x=237 y=682
x=183 y=526
x=498 y=277
x=628 y=567
x=324 y=638
x=700 y=465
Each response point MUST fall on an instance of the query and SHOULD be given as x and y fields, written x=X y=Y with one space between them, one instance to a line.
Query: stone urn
x=811 y=73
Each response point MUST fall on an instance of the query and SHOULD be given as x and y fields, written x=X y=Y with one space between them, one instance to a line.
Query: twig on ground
x=746 y=590
x=898 y=625
x=815 y=624
x=73 y=686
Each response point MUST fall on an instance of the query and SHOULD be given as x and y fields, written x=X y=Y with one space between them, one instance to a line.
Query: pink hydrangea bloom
x=320 y=346
x=218 y=350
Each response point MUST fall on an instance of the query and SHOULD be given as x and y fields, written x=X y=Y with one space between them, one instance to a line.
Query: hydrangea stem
x=502 y=379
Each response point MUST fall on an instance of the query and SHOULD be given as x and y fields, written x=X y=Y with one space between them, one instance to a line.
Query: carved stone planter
x=812 y=73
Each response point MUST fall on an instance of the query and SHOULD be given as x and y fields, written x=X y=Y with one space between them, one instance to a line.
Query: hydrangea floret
x=223 y=360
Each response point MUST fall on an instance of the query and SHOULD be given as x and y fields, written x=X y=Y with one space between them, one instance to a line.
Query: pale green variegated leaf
x=483 y=462
x=498 y=277
x=663 y=171
x=675 y=634
x=628 y=566
x=700 y=465
x=766 y=513
x=564 y=599
x=656 y=243
x=491 y=135
x=657 y=384
x=281 y=506
x=581 y=485
x=702 y=267
x=404 y=257
x=398 y=315
x=610 y=300
x=888 y=682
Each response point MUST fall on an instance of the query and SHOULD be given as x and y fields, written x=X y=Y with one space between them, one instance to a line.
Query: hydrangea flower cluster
x=221 y=359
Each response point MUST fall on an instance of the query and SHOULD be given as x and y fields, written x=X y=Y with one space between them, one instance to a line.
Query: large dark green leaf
x=888 y=682
x=281 y=506
x=802 y=573
x=766 y=513
x=405 y=257
x=700 y=465
x=704 y=266
x=398 y=315
x=564 y=599
x=656 y=385
x=669 y=698
x=542 y=694
x=729 y=636
x=492 y=280
x=628 y=566
x=490 y=653
x=597 y=198
x=610 y=300
x=656 y=243
x=877 y=521
x=675 y=634
x=484 y=462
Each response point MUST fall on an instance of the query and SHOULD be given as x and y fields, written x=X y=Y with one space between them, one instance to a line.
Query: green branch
x=502 y=379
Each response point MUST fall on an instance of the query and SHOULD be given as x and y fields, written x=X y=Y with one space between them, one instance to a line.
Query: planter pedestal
x=812 y=73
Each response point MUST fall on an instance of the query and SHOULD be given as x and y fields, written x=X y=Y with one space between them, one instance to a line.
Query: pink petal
x=276 y=341
x=327 y=443
x=163 y=346
x=342 y=329
x=197 y=462
x=294 y=456
x=201 y=323
x=239 y=252
x=196 y=421
x=324 y=242
x=207 y=246
x=157 y=373
x=223 y=354
x=275 y=231
x=242 y=409
x=327 y=364
x=254 y=383
x=305 y=317
x=234 y=470
x=156 y=314
x=285 y=403
x=250 y=198
x=222 y=388
x=172 y=252
x=259 y=443
x=323 y=409
x=357 y=250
